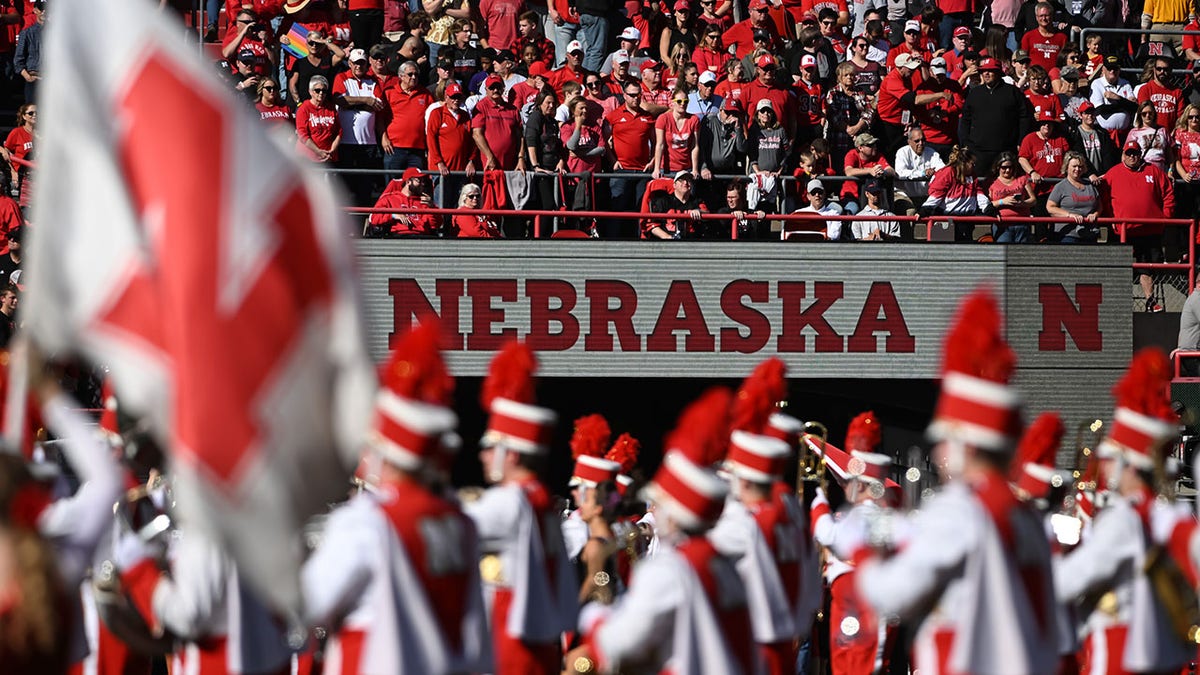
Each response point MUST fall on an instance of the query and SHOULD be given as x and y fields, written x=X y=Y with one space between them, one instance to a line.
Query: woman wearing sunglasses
x=676 y=138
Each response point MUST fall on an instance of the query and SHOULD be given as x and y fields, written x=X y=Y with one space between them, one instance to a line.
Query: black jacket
x=995 y=118
x=1109 y=154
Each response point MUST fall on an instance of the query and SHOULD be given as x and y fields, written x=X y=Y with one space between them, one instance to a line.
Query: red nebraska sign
x=636 y=309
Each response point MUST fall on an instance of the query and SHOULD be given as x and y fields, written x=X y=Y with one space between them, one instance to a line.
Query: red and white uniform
x=396 y=576
x=765 y=542
x=857 y=636
x=982 y=557
x=535 y=598
x=107 y=654
x=1138 y=637
x=685 y=613
x=222 y=630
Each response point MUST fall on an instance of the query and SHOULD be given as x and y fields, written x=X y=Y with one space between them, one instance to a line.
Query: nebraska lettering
x=741 y=321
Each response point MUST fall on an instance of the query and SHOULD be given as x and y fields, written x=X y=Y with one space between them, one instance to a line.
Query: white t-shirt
x=861 y=229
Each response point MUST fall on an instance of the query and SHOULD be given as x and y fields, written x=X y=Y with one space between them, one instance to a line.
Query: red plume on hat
x=864 y=433
x=416 y=370
x=702 y=432
x=1034 y=472
x=1143 y=420
x=977 y=406
x=625 y=452
x=759 y=395
x=591 y=436
x=510 y=375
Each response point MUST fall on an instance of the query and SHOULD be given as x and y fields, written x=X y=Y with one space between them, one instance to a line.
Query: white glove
x=819 y=500
x=851 y=535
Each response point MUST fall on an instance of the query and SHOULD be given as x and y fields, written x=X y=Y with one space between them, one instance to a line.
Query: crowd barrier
x=812 y=223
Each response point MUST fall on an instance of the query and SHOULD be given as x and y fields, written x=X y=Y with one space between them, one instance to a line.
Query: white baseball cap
x=814 y=184
x=707 y=77
x=621 y=56
x=574 y=46
x=912 y=24
x=630 y=33
x=938 y=66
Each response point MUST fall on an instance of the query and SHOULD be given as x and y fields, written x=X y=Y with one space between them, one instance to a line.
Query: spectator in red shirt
x=496 y=128
x=630 y=140
x=1044 y=42
x=898 y=99
x=472 y=226
x=709 y=55
x=269 y=108
x=864 y=161
x=1011 y=195
x=448 y=138
x=317 y=130
x=741 y=35
x=810 y=100
x=501 y=18
x=1041 y=156
x=19 y=145
x=530 y=34
x=677 y=138
x=1041 y=96
x=1159 y=91
x=572 y=70
x=655 y=98
x=1139 y=190
x=253 y=36
x=406 y=102
x=765 y=86
x=412 y=193
x=912 y=46
x=939 y=116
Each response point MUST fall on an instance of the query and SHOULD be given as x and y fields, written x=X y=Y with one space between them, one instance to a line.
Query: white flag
x=176 y=243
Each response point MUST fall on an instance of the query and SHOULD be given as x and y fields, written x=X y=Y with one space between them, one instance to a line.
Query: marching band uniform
x=395 y=576
x=530 y=586
x=685 y=611
x=1129 y=630
x=977 y=556
x=756 y=530
x=858 y=639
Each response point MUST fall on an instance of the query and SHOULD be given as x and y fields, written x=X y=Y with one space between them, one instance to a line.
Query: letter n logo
x=1079 y=317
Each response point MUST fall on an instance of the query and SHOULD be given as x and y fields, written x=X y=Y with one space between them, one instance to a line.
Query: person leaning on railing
x=681 y=200
x=954 y=191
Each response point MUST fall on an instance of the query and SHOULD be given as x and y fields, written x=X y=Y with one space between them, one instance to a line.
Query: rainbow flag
x=295 y=41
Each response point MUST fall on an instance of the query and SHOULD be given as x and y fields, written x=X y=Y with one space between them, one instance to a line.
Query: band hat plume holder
x=693 y=496
x=520 y=427
x=756 y=458
x=408 y=433
x=978 y=412
x=1137 y=437
x=592 y=471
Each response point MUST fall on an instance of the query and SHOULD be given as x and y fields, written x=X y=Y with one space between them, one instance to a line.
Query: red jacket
x=396 y=199
x=1145 y=193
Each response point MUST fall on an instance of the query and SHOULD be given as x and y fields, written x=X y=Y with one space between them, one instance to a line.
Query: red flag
x=208 y=269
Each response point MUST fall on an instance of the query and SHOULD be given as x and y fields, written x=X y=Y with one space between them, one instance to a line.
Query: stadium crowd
x=953 y=107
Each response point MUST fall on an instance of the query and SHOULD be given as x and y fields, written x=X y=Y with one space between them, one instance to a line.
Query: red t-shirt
x=903 y=48
x=741 y=36
x=557 y=78
x=406 y=114
x=1146 y=193
x=893 y=88
x=500 y=123
x=632 y=137
x=815 y=6
x=998 y=190
x=956 y=6
x=318 y=124
x=1192 y=41
x=939 y=120
x=501 y=18
x=448 y=138
x=781 y=99
x=1165 y=100
x=855 y=161
x=710 y=60
x=356 y=5
x=729 y=90
x=1045 y=154
x=1043 y=51
x=274 y=115
x=678 y=141
x=1042 y=102
x=476 y=227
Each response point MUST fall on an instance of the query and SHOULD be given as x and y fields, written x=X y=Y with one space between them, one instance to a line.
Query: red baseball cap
x=765 y=61
x=491 y=81
x=538 y=68
x=962 y=31
x=1132 y=145
x=410 y=173
x=1086 y=106
x=989 y=64
x=759 y=4
x=651 y=64
x=453 y=89
x=682 y=5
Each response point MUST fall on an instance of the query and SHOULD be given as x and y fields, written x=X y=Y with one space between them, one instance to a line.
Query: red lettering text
x=758 y=325
x=1082 y=321
x=881 y=299
x=483 y=314
x=680 y=311
x=541 y=315
x=411 y=306
x=795 y=320
x=600 y=294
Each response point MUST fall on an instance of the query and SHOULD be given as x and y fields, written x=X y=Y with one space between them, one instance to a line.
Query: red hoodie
x=1144 y=193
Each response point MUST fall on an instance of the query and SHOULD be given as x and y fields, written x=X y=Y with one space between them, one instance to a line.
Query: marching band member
x=685 y=611
x=977 y=557
x=594 y=489
x=589 y=439
x=1130 y=628
x=756 y=531
x=1036 y=481
x=857 y=639
x=395 y=577
x=759 y=527
x=47 y=544
x=528 y=579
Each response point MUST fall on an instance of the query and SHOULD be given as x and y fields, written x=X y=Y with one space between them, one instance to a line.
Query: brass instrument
x=1087 y=437
x=812 y=466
